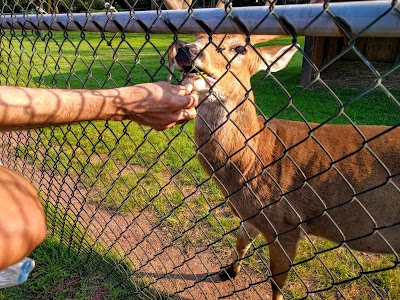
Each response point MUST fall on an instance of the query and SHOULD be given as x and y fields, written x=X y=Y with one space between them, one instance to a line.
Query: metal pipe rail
x=375 y=18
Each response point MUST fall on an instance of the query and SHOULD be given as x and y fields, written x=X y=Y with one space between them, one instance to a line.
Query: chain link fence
x=137 y=209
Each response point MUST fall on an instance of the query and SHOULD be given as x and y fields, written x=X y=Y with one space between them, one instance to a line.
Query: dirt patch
x=176 y=270
x=356 y=74
x=167 y=266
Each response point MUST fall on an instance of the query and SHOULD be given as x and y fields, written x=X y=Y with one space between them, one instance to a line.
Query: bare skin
x=22 y=220
x=158 y=105
x=22 y=223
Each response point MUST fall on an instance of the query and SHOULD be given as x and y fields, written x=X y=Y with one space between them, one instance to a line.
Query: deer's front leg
x=281 y=254
x=247 y=233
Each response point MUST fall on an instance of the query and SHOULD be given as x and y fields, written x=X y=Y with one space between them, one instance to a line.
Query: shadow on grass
x=61 y=273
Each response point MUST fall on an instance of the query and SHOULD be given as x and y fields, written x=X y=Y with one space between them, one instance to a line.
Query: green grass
x=320 y=104
x=126 y=167
x=63 y=273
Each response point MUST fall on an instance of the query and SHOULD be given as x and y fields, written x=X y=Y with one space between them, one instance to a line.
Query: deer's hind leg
x=282 y=253
x=247 y=233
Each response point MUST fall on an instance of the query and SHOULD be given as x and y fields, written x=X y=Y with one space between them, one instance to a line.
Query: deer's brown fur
x=286 y=178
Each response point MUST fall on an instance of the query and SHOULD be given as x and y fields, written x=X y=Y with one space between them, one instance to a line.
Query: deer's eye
x=241 y=49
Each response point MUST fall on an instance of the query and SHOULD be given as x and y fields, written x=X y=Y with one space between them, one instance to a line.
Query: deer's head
x=221 y=65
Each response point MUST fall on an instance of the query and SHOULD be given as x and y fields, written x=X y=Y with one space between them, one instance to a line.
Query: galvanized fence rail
x=136 y=206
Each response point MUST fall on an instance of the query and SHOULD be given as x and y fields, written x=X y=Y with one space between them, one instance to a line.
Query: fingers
x=184 y=90
x=188 y=114
x=188 y=111
x=193 y=100
x=183 y=116
x=190 y=99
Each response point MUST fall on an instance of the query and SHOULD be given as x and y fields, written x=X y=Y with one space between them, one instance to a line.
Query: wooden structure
x=322 y=50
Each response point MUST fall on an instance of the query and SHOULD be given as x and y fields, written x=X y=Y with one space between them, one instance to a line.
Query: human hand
x=159 y=105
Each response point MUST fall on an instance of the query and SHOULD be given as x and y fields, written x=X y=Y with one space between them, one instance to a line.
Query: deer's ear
x=276 y=57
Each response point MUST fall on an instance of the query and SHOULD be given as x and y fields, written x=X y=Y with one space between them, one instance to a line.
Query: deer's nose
x=186 y=55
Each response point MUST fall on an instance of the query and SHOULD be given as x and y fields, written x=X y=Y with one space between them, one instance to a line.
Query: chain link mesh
x=136 y=204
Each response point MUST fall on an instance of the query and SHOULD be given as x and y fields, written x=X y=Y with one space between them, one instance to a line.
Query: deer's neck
x=219 y=116
x=228 y=133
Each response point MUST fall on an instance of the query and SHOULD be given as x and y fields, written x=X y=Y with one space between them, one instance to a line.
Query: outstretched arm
x=159 y=105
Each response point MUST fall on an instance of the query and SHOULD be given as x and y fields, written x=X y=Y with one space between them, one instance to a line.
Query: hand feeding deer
x=284 y=178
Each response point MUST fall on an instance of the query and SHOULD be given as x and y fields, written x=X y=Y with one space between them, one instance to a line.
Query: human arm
x=159 y=105
x=22 y=219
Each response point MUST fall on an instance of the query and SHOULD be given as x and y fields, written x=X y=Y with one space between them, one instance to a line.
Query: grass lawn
x=63 y=273
x=129 y=168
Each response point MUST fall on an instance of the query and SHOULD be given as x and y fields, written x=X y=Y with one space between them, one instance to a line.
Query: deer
x=287 y=179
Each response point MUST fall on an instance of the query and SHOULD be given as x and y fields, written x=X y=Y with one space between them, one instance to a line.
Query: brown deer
x=286 y=179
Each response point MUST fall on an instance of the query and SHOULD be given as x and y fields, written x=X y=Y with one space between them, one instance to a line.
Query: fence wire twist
x=137 y=207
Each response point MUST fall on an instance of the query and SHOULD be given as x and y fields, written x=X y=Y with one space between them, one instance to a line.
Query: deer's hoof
x=227 y=273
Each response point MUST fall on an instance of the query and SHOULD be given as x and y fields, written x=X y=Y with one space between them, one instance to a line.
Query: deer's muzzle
x=183 y=57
